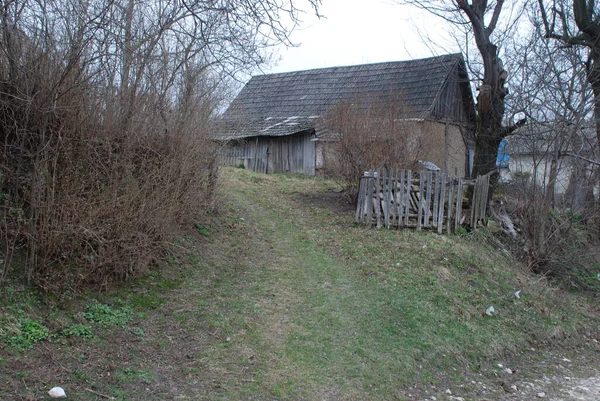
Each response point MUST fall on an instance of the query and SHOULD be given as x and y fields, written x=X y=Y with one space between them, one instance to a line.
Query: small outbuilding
x=274 y=124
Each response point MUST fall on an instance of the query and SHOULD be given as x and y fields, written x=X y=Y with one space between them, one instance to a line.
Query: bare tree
x=480 y=19
x=551 y=179
x=577 y=23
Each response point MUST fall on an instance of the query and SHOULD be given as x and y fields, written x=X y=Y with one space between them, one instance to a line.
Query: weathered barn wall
x=440 y=143
x=443 y=144
x=282 y=154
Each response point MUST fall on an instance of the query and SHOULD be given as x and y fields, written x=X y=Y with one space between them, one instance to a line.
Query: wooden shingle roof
x=284 y=103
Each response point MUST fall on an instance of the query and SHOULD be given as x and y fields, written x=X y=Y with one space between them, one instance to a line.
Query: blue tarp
x=503 y=158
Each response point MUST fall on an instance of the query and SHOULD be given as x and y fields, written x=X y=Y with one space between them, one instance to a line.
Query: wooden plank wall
x=284 y=154
x=251 y=152
x=426 y=200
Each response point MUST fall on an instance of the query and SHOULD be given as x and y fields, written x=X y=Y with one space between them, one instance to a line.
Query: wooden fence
x=403 y=198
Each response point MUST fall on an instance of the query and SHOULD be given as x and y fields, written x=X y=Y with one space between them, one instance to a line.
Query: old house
x=273 y=125
x=537 y=152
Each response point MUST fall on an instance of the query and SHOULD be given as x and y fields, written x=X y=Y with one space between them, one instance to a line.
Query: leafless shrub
x=554 y=159
x=104 y=115
x=367 y=134
x=89 y=204
x=93 y=189
x=550 y=197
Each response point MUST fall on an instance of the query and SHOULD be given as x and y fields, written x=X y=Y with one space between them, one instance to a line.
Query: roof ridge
x=457 y=56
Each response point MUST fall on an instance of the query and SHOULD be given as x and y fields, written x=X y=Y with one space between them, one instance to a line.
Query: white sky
x=361 y=32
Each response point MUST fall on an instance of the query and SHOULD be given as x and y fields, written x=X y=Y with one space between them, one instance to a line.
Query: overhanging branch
x=569 y=154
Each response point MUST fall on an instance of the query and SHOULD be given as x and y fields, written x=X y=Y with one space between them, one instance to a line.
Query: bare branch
x=569 y=154
x=497 y=9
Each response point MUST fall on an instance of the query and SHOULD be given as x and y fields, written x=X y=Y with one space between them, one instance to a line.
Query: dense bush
x=104 y=156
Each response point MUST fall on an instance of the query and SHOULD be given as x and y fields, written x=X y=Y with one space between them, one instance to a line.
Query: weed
x=181 y=318
x=31 y=332
x=78 y=330
x=22 y=375
x=129 y=375
x=461 y=231
x=169 y=284
x=146 y=301
x=105 y=315
x=81 y=376
x=171 y=260
x=138 y=331
x=202 y=230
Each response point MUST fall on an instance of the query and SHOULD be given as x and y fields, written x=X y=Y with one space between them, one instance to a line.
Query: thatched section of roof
x=435 y=88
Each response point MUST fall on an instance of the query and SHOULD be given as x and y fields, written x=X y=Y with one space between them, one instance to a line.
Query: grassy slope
x=291 y=301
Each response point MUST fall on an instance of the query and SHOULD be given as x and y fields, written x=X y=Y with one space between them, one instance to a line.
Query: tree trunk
x=490 y=109
x=126 y=95
x=593 y=76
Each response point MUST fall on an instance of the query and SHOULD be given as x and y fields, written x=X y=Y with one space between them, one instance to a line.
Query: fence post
x=378 y=197
x=440 y=219
x=401 y=200
x=450 y=205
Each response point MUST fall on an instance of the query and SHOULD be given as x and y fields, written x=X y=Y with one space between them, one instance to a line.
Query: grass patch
x=79 y=331
x=30 y=332
x=106 y=315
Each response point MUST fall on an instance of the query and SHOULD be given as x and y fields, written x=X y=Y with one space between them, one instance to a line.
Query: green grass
x=369 y=310
x=290 y=300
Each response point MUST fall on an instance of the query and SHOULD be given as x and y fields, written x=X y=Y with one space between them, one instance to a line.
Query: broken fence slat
x=459 y=195
x=392 y=199
x=401 y=199
x=406 y=205
x=440 y=220
x=421 y=201
x=378 y=198
x=360 y=201
x=451 y=188
x=370 y=184
x=436 y=199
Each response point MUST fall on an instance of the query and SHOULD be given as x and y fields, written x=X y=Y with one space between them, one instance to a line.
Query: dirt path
x=539 y=375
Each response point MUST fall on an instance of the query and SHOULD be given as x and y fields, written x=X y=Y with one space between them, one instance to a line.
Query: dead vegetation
x=102 y=159
x=365 y=134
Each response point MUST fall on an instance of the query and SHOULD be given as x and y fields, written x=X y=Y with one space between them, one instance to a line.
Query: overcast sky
x=360 y=32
